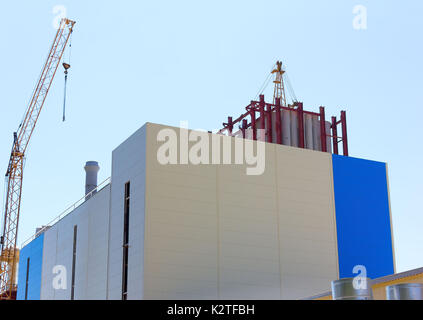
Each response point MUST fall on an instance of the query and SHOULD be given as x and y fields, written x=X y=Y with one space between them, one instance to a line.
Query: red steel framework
x=265 y=110
x=9 y=253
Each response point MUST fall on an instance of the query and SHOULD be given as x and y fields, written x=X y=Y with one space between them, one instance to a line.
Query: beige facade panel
x=214 y=232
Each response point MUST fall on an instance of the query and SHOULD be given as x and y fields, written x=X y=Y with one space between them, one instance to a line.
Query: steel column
x=253 y=120
x=300 y=111
x=344 y=133
x=244 y=127
x=335 y=135
x=278 y=121
x=323 y=129
x=269 y=123
x=230 y=125
x=262 y=117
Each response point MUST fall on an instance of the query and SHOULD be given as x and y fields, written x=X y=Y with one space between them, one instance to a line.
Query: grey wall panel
x=81 y=221
x=64 y=247
x=204 y=214
x=328 y=136
x=98 y=227
x=137 y=225
x=181 y=236
x=128 y=164
x=308 y=131
x=317 y=143
x=49 y=261
x=274 y=134
x=91 y=219
x=286 y=127
x=294 y=129
x=213 y=232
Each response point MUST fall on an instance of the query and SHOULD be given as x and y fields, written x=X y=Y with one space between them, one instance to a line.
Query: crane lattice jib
x=9 y=253
x=279 y=90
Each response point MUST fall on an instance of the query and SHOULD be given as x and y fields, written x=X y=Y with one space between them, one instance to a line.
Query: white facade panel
x=98 y=227
x=201 y=231
x=81 y=221
x=214 y=232
x=49 y=261
x=128 y=165
x=91 y=219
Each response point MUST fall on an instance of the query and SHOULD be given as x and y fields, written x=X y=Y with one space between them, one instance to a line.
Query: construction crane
x=9 y=257
x=281 y=83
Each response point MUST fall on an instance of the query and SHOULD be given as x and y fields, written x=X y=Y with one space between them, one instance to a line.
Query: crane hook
x=66 y=66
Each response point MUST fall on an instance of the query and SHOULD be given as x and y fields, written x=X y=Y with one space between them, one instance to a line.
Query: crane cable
x=265 y=83
x=64 y=97
x=290 y=88
x=66 y=66
x=269 y=78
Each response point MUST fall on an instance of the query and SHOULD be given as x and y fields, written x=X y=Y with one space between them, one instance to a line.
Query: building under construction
x=266 y=208
x=211 y=231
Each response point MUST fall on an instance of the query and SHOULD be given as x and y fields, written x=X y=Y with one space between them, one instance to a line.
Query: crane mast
x=9 y=253
x=279 y=90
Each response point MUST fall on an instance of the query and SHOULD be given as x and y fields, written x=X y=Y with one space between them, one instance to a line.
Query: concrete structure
x=210 y=231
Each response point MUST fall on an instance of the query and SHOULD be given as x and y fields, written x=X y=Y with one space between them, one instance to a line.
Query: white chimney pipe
x=91 y=170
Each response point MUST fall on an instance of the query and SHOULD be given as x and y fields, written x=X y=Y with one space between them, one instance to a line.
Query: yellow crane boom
x=9 y=253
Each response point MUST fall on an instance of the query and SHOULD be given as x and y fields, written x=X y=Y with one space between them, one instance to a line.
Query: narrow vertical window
x=27 y=279
x=75 y=233
x=125 y=242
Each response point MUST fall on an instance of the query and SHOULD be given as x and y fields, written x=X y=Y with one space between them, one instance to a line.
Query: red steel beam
x=323 y=129
x=230 y=125
x=269 y=123
x=300 y=112
x=344 y=133
x=278 y=122
x=335 y=135
x=261 y=109
x=253 y=122
x=244 y=127
x=265 y=117
x=251 y=106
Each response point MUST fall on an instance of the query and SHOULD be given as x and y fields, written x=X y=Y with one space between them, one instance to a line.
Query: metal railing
x=68 y=210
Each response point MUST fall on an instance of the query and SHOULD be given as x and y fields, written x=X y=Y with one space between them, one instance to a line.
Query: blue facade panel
x=34 y=252
x=362 y=217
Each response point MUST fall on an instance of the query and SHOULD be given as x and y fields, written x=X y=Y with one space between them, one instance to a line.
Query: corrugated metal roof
x=398 y=276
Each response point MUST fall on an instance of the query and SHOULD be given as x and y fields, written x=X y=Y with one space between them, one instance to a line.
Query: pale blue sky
x=200 y=61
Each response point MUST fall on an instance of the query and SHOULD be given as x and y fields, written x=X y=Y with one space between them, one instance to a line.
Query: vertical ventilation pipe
x=405 y=291
x=91 y=170
x=359 y=288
